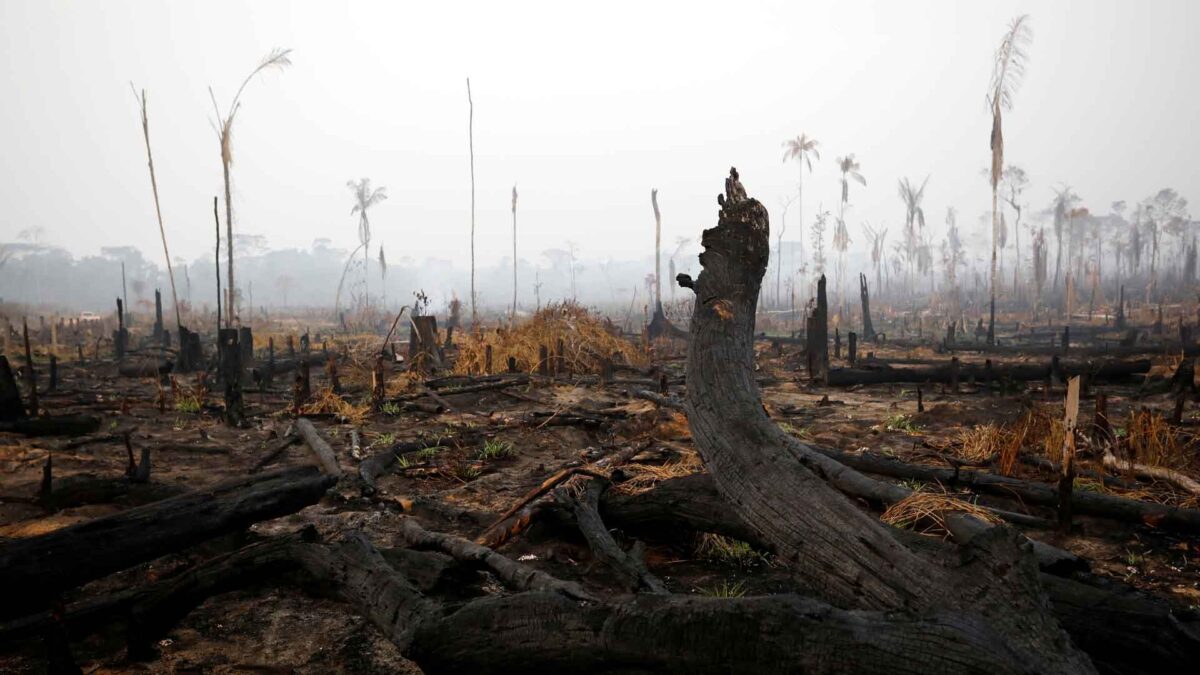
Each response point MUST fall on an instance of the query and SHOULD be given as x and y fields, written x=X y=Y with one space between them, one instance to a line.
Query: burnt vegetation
x=965 y=468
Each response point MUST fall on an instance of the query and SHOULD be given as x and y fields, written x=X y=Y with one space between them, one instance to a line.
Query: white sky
x=585 y=106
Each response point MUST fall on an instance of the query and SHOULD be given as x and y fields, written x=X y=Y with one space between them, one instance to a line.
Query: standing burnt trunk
x=989 y=599
x=231 y=376
x=868 y=328
x=1120 y=321
x=158 y=320
x=11 y=407
x=121 y=335
x=817 y=346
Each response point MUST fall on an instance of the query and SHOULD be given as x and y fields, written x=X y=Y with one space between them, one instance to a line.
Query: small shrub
x=717 y=548
x=725 y=589
x=496 y=449
x=188 y=404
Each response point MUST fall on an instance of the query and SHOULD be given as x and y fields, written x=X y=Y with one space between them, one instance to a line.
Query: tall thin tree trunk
x=157 y=209
x=657 y=251
x=217 y=260
x=514 y=211
x=471 y=142
x=991 y=334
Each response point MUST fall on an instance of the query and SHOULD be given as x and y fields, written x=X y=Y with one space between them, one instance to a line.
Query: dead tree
x=817 y=333
x=990 y=599
x=868 y=328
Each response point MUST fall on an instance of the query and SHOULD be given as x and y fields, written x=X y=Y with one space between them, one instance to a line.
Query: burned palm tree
x=1006 y=77
x=914 y=222
x=877 y=238
x=141 y=99
x=364 y=198
x=276 y=58
x=850 y=170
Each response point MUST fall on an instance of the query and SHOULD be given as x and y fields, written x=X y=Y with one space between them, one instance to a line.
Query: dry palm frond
x=586 y=339
x=929 y=510
x=641 y=477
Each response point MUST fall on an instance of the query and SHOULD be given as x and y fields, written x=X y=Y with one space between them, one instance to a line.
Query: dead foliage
x=586 y=338
x=928 y=511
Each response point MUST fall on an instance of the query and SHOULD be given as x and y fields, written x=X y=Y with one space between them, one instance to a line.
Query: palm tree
x=877 y=238
x=802 y=149
x=914 y=221
x=276 y=58
x=849 y=168
x=364 y=198
x=1006 y=77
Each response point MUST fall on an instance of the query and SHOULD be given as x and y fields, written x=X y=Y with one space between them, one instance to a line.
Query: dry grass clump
x=1150 y=439
x=328 y=403
x=1005 y=441
x=928 y=510
x=587 y=339
x=642 y=477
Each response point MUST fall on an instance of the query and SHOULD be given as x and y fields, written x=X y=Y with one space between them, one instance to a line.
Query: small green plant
x=403 y=462
x=467 y=472
x=496 y=449
x=725 y=589
x=798 y=432
x=188 y=404
x=717 y=548
x=112 y=426
x=390 y=408
x=385 y=439
x=426 y=454
x=1133 y=559
x=900 y=422
x=914 y=485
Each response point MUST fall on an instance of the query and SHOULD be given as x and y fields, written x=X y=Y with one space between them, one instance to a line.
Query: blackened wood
x=35 y=570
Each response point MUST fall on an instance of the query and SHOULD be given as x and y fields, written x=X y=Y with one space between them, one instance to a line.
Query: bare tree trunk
x=471 y=142
x=217 y=260
x=657 y=251
x=157 y=209
x=779 y=485
x=228 y=245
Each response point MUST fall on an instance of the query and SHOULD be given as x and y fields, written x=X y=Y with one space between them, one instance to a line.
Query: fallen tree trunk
x=778 y=485
x=648 y=633
x=1122 y=630
x=53 y=425
x=34 y=571
x=325 y=455
x=144 y=367
x=1017 y=372
x=1029 y=492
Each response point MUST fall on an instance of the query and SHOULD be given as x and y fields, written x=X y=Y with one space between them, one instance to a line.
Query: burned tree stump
x=865 y=295
x=231 y=376
x=11 y=406
x=424 y=353
x=778 y=485
x=817 y=346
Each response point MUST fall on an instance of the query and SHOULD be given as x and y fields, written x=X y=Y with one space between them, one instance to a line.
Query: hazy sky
x=584 y=106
